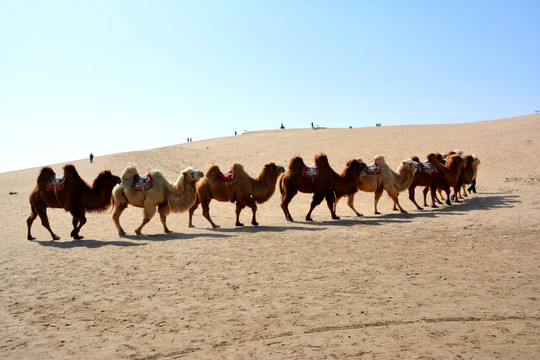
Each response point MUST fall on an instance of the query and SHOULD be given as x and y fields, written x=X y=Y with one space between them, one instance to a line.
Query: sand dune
x=460 y=281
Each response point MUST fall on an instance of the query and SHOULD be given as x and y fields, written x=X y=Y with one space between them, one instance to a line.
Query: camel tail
x=379 y=160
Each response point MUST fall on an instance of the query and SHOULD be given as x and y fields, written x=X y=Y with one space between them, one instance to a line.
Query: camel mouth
x=281 y=169
x=200 y=174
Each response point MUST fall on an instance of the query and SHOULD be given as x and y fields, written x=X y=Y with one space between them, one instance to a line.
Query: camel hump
x=415 y=158
x=70 y=172
x=432 y=156
x=321 y=160
x=296 y=163
x=45 y=174
x=212 y=172
x=379 y=160
x=237 y=168
x=129 y=173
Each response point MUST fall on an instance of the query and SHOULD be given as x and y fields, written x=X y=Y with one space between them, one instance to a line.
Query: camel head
x=107 y=178
x=272 y=167
x=188 y=176
x=192 y=175
x=411 y=165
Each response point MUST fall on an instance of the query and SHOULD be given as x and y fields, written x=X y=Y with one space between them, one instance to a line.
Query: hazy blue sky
x=114 y=76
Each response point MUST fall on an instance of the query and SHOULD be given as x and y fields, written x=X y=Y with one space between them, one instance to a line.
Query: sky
x=114 y=76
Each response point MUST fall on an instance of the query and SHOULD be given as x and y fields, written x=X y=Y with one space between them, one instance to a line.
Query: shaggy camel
x=387 y=179
x=450 y=170
x=240 y=188
x=428 y=177
x=326 y=183
x=468 y=173
x=177 y=197
x=70 y=193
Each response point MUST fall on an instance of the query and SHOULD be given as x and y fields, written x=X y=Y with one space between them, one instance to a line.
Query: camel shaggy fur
x=245 y=190
x=77 y=197
x=167 y=197
x=393 y=182
x=468 y=173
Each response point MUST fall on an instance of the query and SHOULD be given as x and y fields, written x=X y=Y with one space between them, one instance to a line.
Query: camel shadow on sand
x=173 y=236
x=87 y=243
x=485 y=202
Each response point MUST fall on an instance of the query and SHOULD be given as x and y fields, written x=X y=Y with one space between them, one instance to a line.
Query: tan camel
x=239 y=187
x=393 y=182
x=177 y=197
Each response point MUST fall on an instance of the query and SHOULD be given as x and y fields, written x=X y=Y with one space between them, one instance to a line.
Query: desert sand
x=455 y=282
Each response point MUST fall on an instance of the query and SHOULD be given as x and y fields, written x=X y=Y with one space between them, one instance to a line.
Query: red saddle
x=310 y=172
x=428 y=168
x=141 y=183
x=372 y=170
x=55 y=184
x=226 y=178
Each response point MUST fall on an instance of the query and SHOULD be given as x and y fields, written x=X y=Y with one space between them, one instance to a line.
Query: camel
x=177 y=197
x=70 y=193
x=238 y=187
x=394 y=182
x=325 y=184
x=468 y=173
x=429 y=178
x=450 y=170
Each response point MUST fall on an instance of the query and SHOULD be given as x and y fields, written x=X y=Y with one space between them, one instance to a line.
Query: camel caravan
x=153 y=192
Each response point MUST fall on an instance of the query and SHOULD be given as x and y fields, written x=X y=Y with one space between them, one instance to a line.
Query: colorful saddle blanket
x=428 y=168
x=310 y=172
x=55 y=184
x=371 y=170
x=226 y=178
x=141 y=183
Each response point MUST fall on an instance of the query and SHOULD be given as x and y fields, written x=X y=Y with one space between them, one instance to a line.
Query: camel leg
x=205 y=204
x=149 y=212
x=239 y=206
x=411 y=197
x=78 y=221
x=191 y=211
x=330 y=197
x=350 y=203
x=317 y=199
x=432 y=192
x=44 y=221
x=285 y=200
x=377 y=196
x=164 y=210
x=118 y=209
x=253 y=205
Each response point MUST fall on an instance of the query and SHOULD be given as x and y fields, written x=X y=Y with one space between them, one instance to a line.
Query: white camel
x=167 y=197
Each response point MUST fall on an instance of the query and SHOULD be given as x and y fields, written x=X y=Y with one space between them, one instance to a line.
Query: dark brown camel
x=242 y=189
x=468 y=173
x=430 y=180
x=326 y=184
x=450 y=171
x=76 y=196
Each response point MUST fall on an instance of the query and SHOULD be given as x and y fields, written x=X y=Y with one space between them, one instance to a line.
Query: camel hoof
x=404 y=212
x=377 y=213
x=309 y=219
x=191 y=226
x=359 y=215
x=254 y=223
x=336 y=218
x=78 y=237
x=289 y=219
x=214 y=226
x=31 y=238
x=168 y=231
x=239 y=224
